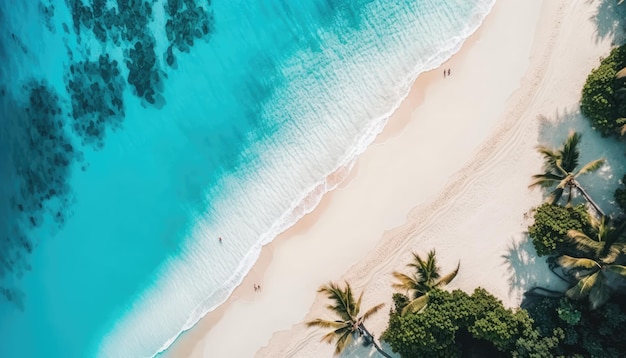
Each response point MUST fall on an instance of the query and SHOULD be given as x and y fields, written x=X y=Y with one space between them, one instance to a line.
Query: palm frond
x=579 y=235
x=417 y=262
x=449 y=277
x=569 y=154
x=343 y=341
x=612 y=253
x=352 y=308
x=584 y=243
x=416 y=305
x=372 y=310
x=569 y=262
x=618 y=269
x=582 y=288
x=621 y=73
x=616 y=234
x=591 y=166
x=555 y=196
x=545 y=180
x=404 y=282
x=550 y=156
x=427 y=270
x=329 y=337
x=322 y=323
x=357 y=307
x=430 y=272
x=599 y=293
x=340 y=299
x=547 y=152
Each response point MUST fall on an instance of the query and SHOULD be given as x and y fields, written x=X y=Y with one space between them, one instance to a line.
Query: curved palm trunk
x=569 y=196
x=588 y=198
x=371 y=338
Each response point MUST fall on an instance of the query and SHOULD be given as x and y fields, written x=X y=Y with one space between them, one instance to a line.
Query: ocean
x=137 y=133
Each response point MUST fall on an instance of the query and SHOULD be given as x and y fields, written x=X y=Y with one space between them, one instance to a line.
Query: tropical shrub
x=549 y=230
x=568 y=313
x=581 y=332
x=600 y=100
x=455 y=323
x=537 y=346
x=620 y=195
x=501 y=327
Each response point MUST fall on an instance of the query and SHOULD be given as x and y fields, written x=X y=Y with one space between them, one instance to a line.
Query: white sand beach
x=449 y=172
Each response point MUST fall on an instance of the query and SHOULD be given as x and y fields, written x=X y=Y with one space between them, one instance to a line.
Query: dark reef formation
x=112 y=43
x=96 y=90
x=127 y=26
x=35 y=157
x=187 y=22
x=47 y=12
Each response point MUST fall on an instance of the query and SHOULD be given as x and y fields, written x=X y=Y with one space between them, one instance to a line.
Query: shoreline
x=395 y=122
x=415 y=219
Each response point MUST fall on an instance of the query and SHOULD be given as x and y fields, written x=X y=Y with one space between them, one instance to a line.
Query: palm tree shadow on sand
x=526 y=269
x=610 y=20
x=600 y=185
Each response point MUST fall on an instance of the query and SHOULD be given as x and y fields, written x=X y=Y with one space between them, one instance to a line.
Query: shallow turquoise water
x=246 y=124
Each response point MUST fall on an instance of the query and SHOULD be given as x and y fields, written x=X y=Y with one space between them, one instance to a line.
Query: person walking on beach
x=255 y=288
x=444 y=73
x=448 y=72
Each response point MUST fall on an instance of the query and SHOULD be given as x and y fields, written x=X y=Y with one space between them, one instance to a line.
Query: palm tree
x=425 y=278
x=607 y=241
x=349 y=323
x=594 y=278
x=561 y=170
x=596 y=275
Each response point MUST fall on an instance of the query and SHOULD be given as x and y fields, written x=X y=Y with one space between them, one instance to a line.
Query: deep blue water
x=135 y=133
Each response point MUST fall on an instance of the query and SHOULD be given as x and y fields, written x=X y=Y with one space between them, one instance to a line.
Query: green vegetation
x=585 y=249
x=549 y=230
x=456 y=324
x=560 y=170
x=596 y=271
x=349 y=324
x=425 y=278
x=593 y=278
x=604 y=94
x=581 y=331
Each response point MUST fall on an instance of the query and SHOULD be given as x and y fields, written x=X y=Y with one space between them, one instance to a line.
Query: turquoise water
x=119 y=178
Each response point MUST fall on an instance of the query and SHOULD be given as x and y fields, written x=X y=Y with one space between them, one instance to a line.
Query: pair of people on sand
x=446 y=71
x=257 y=287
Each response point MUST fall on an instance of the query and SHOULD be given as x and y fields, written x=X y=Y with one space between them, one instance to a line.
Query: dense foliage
x=551 y=225
x=455 y=324
x=585 y=332
x=620 y=195
x=603 y=98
